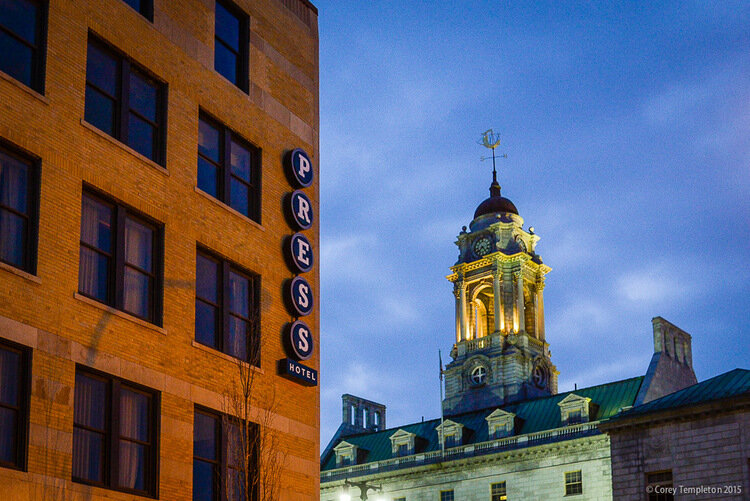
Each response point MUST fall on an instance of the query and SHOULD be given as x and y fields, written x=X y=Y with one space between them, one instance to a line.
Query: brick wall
x=280 y=112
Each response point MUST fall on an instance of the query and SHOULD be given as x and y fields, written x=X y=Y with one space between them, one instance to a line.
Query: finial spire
x=491 y=140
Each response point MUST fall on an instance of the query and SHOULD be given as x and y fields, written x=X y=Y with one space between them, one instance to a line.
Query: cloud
x=581 y=316
x=675 y=103
x=654 y=285
x=348 y=258
x=359 y=379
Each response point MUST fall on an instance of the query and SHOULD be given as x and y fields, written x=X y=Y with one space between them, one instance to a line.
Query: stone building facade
x=142 y=149
x=691 y=444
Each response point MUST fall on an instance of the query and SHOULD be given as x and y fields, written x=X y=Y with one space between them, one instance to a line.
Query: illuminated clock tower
x=500 y=355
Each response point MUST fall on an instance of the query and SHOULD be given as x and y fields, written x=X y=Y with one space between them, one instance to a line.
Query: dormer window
x=501 y=424
x=451 y=432
x=347 y=454
x=575 y=409
x=402 y=443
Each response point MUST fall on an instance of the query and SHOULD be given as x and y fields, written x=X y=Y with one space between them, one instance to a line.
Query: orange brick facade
x=44 y=312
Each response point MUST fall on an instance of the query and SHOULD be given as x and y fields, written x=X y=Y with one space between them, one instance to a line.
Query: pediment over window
x=576 y=409
x=501 y=423
x=348 y=454
x=453 y=432
x=402 y=442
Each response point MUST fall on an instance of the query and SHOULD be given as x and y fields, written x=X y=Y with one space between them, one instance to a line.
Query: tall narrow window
x=573 y=483
x=120 y=258
x=226 y=312
x=14 y=384
x=498 y=492
x=144 y=7
x=228 y=168
x=22 y=30
x=114 y=433
x=125 y=102
x=18 y=208
x=231 y=45
x=221 y=453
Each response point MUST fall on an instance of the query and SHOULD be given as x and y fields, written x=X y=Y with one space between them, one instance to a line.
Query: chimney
x=671 y=366
x=359 y=415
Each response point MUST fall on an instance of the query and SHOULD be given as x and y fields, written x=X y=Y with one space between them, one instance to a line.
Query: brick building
x=691 y=444
x=143 y=188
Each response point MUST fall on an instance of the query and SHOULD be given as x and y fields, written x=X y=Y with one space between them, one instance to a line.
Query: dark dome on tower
x=496 y=203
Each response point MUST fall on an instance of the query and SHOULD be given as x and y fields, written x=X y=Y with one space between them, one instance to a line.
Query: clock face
x=482 y=246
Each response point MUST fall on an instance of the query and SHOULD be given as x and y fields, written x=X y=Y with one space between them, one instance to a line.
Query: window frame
x=116 y=283
x=571 y=484
x=33 y=194
x=654 y=479
x=222 y=462
x=447 y=495
x=39 y=57
x=126 y=67
x=112 y=435
x=147 y=9
x=24 y=404
x=224 y=167
x=225 y=267
x=502 y=494
x=243 y=65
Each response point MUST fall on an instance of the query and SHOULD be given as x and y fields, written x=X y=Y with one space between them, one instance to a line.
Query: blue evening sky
x=627 y=129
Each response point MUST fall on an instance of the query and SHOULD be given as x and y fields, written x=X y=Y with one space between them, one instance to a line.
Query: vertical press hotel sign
x=298 y=338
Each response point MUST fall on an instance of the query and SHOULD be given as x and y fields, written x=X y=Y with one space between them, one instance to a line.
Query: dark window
x=231 y=45
x=18 y=209
x=123 y=101
x=120 y=258
x=114 y=433
x=404 y=450
x=14 y=384
x=22 y=30
x=573 y=483
x=226 y=311
x=575 y=417
x=446 y=495
x=220 y=449
x=498 y=492
x=144 y=7
x=452 y=440
x=657 y=485
x=229 y=168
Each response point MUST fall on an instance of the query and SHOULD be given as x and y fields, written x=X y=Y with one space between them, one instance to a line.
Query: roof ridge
x=485 y=409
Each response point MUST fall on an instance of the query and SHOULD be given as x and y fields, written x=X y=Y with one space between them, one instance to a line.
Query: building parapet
x=461 y=452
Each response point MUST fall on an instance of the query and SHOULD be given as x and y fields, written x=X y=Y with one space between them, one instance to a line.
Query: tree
x=255 y=457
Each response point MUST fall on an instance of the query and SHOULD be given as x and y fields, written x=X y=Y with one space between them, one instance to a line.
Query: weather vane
x=491 y=140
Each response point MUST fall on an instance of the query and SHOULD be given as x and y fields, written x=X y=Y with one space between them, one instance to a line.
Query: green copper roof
x=537 y=415
x=730 y=384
